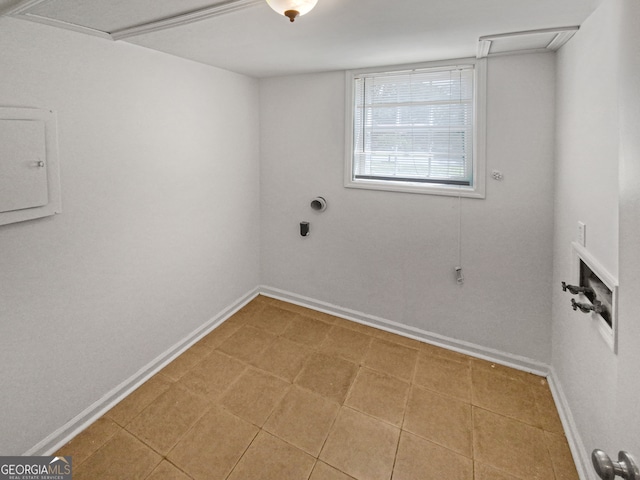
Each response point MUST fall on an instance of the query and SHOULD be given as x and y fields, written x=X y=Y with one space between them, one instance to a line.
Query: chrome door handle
x=607 y=469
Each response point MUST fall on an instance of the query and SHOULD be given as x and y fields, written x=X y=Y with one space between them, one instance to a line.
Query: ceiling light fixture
x=292 y=8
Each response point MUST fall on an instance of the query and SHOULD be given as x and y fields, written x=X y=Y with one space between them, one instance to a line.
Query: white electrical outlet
x=582 y=234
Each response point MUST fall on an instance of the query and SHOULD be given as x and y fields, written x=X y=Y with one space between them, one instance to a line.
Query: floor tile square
x=499 y=440
x=292 y=307
x=139 y=399
x=322 y=316
x=485 y=472
x=358 y=327
x=346 y=343
x=361 y=446
x=434 y=351
x=283 y=358
x=509 y=396
x=269 y=458
x=546 y=408
x=251 y=309
x=185 y=362
x=480 y=364
x=214 y=375
x=222 y=332
x=322 y=471
x=391 y=358
x=330 y=377
x=445 y=376
x=399 y=339
x=87 y=442
x=168 y=418
x=273 y=319
x=419 y=458
x=561 y=458
x=247 y=344
x=307 y=330
x=166 y=471
x=254 y=396
x=303 y=419
x=336 y=400
x=211 y=449
x=300 y=310
x=123 y=456
x=440 y=419
x=379 y=395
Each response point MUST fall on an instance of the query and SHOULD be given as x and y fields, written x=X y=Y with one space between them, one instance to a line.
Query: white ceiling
x=337 y=34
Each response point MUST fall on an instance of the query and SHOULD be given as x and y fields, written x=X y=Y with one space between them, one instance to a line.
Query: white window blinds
x=415 y=126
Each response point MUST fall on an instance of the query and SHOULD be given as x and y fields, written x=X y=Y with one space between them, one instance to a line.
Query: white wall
x=627 y=420
x=587 y=190
x=392 y=255
x=598 y=181
x=160 y=223
x=162 y=218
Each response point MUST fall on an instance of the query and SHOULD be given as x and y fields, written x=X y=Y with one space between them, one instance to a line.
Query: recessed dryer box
x=29 y=167
x=602 y=289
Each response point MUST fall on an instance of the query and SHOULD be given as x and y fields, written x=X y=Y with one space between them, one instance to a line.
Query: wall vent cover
x=530 y=41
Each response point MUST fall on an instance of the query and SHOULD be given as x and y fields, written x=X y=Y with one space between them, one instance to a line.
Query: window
x=417 y=129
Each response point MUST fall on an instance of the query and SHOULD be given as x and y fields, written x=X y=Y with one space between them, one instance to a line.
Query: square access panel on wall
x=29 y=168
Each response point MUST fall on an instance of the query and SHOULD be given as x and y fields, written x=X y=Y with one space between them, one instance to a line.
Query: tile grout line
x=548 y=450
x=404 y=413
x=292 y=384
x=315 y=349
x=329 y=430
x=473 y=441
x=235 y=465
x=174 y=465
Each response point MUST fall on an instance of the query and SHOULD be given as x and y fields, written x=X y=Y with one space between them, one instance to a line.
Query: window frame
x=477 y=189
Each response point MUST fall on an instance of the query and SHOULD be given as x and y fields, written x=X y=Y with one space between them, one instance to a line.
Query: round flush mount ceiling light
x=292 y=8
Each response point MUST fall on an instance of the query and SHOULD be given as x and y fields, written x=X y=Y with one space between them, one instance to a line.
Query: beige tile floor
x=279 y=392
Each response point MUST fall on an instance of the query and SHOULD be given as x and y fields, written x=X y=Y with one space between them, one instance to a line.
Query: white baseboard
x=581 y=457
x=467 y=348
x=73 y=427
x=62 y=435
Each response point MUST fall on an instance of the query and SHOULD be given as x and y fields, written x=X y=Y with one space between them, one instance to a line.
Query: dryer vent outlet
x=319 y=204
